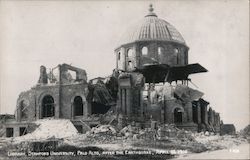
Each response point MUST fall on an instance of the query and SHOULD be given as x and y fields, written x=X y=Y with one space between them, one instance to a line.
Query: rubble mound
x=50 y=128
x=215 y=142
x=98 y=135
x=105 y=129
x=246 y=132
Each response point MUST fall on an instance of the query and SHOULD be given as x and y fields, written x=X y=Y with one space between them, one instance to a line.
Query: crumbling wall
x=157 y=53
x=170 y=106
x=68 y=93
x=211 y=120
x=18 y=128
x=227 y=129
x=130 y=100
x=217 y=122
x=99 y=97
x=43 y=91
x=43 y=79
x=25 y=106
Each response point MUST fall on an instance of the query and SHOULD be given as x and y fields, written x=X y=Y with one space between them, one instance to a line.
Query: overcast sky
x=85 y=34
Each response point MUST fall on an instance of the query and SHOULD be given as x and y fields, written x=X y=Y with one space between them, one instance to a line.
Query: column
x=205 y=115
x=198 y=113
x=128 y=101
x=189 y=111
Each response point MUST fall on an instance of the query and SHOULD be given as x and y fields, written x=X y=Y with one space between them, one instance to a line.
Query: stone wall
x=157 y=52
x=63 y=96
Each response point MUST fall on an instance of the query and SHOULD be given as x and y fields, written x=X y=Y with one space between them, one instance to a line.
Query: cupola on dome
x=152 y=28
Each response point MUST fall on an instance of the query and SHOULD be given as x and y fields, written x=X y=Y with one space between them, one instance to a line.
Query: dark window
x=203 y=113
x=119 y=55
x=22 y=131
x=9 y=132
x=78 y=106
x=48 y=109
x=177 y=115
x=195 y=114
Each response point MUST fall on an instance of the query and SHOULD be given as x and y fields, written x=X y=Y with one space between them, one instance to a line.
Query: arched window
x=177 y=115
x=48 y=106
x=176 y=53
x=130 y=65
x=144 y=50
x=160 y=50
x=130 y=52
x=119 y=55
x=176 y=50
x=78 y=106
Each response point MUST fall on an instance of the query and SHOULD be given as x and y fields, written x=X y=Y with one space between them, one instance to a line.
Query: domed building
x=151 y=41
x=153 y=55
x=149 y=86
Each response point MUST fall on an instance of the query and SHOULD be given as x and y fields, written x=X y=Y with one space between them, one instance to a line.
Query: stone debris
x=97 y=135
x=245 y=133
x=166 y=131
x=166 y=136
x=49 y=128
x=103 y=129
x=214 y=141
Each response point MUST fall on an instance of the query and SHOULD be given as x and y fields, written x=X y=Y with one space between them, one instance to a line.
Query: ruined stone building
x=155 y=49
x=149 y=84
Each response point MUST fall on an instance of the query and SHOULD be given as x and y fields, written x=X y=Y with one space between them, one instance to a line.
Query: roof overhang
x=157 y=73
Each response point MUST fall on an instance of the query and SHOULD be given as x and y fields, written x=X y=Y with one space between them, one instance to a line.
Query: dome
x=152 y=28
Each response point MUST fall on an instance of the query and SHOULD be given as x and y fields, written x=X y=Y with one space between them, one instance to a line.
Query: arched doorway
x=177 y=115
x=78 y=106
x=48 y=106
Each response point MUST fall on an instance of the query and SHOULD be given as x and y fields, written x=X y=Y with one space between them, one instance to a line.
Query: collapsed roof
x=157 y=73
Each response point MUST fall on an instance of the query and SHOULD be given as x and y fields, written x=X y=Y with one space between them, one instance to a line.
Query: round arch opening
x=78 y=106
x=144 y=50
x=178 y=115
x=130 y=52
x=48 y=106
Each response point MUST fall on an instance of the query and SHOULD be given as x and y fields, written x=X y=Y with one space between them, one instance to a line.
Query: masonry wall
x=68 y=93
x=25 y=106
x=157 y=51
x=63 y=101
x=41 y=92
x=170 y=106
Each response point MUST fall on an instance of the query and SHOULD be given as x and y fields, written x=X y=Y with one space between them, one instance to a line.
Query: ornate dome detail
x=152 y=28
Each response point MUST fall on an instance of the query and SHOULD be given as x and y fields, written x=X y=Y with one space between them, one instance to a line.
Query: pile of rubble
x=49 y=128
x=97 y=135
x=110 y=134
x=167 y=135
x=214 y=141
x=245 y=133
x=130 y=132
x=164 y=132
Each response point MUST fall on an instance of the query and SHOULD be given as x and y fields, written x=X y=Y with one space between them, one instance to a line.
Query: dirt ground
x=241 y=151
x=105 y=142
